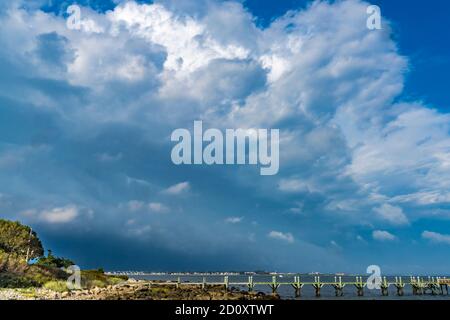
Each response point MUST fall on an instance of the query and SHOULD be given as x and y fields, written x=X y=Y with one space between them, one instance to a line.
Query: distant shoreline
x=259 y=273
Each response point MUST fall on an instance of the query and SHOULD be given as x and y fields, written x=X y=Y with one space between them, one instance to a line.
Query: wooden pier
x=419 y=285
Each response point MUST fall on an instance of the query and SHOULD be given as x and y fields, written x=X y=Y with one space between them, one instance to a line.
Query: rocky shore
x=137 y=290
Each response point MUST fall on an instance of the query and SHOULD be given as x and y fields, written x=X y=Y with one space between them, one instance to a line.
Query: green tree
x=51 y=261
x=15 y=238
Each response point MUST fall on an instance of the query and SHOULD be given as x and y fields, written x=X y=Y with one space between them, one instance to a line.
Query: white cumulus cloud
x=178 y=188
x=436 y=237
x=392 y=214
x=278 y=235
x=60 y=215
x=381 y=235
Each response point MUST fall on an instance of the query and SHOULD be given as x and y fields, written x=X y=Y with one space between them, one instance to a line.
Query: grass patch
x=58 y=286
x=97 y=278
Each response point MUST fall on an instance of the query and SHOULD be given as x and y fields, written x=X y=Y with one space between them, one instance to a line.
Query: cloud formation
x=178 y=188
x=278 y=235
x=381 y=235
x=392 y=214
x=436 y=237
x=60 y=215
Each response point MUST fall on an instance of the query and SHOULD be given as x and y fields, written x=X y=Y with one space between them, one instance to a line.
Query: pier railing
x=419 y=285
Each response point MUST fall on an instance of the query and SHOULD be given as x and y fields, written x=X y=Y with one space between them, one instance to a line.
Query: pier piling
x=338 y=287
x=274 y=285
x=226 y=283
x=250 y=284
x=400 y=286
x=317 y=285
x=384 y=287
x=417 y=286
x=297 y=286
x=204 y=283
x=433 y=285
x=444 y=284
x=359 y=284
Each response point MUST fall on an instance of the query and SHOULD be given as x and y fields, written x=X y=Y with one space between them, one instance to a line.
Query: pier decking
x=419 y=285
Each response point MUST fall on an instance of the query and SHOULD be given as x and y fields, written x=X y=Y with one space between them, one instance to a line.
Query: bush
x=55 y=262
x=43 y=274
x=58 y=286
x=16 y=273
x=10 y=280
x=96 y=278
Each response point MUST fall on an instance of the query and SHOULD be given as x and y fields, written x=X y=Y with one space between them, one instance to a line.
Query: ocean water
x=307 y=292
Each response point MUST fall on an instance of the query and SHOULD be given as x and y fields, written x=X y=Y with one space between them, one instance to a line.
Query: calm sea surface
x=287 y=292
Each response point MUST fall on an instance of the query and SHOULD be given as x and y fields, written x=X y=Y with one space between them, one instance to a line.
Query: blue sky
x=86 y=117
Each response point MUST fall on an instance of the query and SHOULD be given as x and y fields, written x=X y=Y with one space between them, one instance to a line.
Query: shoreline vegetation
x=26 y=273
x=134 y=290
